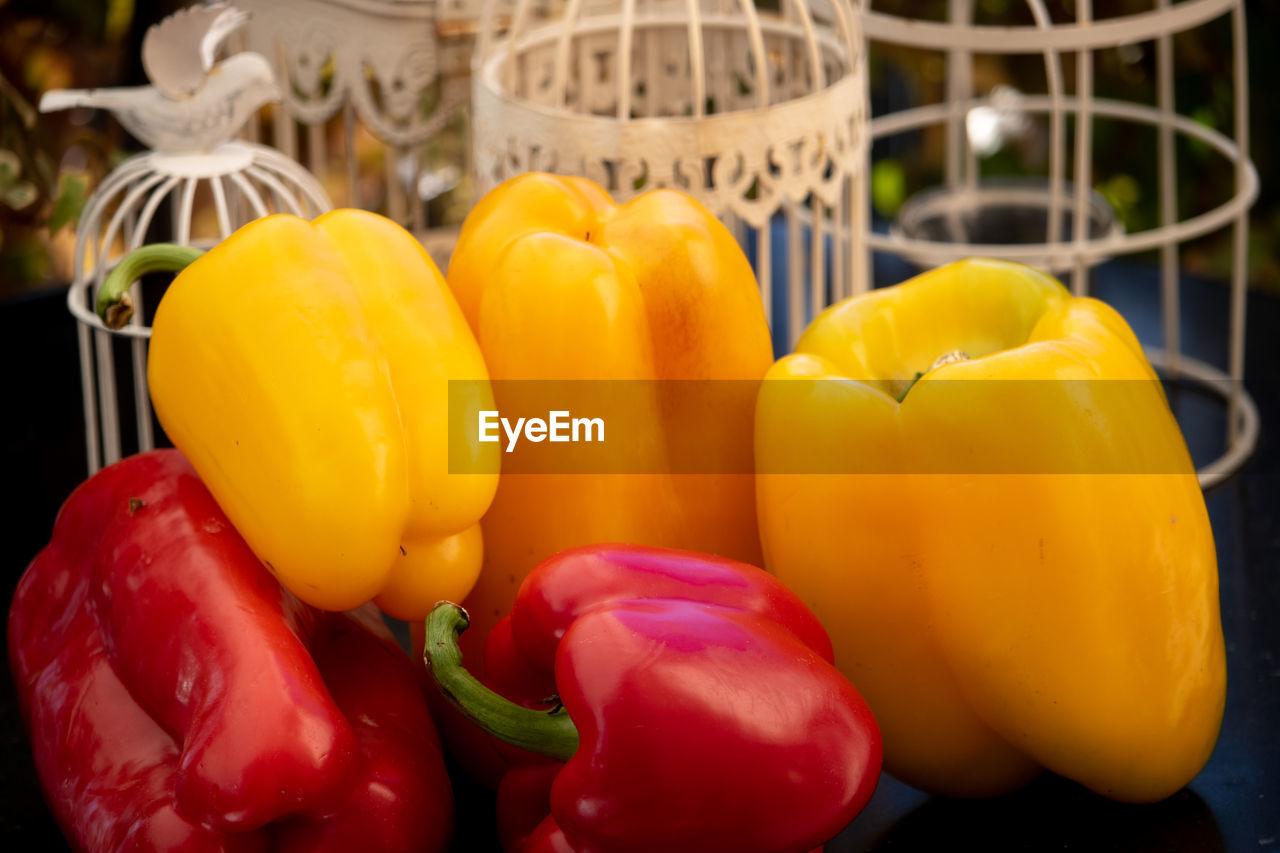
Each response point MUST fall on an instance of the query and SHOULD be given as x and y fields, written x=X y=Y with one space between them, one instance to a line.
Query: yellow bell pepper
x=1016 y=574
x=303 y=370
x=560 y=283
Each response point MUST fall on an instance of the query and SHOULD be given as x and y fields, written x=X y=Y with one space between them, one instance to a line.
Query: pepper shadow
x=1050 y=814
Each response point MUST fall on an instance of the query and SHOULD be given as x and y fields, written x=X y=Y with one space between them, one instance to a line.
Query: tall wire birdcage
x=1073 y=229
x=759 y=112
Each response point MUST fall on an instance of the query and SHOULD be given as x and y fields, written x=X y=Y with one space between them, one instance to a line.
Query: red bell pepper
x=178 y=698
x=691 y=699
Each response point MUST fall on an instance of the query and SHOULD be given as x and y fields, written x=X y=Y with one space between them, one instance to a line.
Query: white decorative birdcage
x=1077 y=229
x=368 y=87
x=196 y=189
x=759 y=113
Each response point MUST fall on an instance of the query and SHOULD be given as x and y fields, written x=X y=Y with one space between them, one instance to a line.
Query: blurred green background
x=50 y=163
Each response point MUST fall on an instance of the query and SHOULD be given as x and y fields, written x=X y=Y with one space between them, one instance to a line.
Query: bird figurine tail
x=64 y=99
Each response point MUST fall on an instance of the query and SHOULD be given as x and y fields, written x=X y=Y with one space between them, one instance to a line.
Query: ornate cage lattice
x=368 y=86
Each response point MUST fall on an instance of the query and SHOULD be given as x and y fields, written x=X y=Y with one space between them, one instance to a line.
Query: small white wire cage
x=368 y=87
x=1078 y=229
x=205 y=197
x=195 y=189
x=758 y=110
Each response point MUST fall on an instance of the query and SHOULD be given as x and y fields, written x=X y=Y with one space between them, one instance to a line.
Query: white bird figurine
x=192 y=104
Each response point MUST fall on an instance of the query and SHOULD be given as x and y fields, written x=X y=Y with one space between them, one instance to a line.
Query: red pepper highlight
x=178 y=698
x=700 y=709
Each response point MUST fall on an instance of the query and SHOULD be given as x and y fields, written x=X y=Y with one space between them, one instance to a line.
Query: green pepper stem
x=115 y=306
x=545 y=732
x=911 y=384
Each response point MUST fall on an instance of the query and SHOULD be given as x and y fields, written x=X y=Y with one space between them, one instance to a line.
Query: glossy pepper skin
x=707 y=712
x=177 y=698
x=303 y=369
x=560 y=283
x=1025 y=575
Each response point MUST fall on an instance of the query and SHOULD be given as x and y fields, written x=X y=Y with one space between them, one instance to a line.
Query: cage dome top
x=713 y=56
x=739 y=103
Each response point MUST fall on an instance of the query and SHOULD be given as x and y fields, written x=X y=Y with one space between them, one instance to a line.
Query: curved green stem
x=911 y=384
x=548 y=733
x=115 y=306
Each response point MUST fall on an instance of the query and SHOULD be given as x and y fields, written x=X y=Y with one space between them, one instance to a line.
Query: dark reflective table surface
x=1233 y=805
